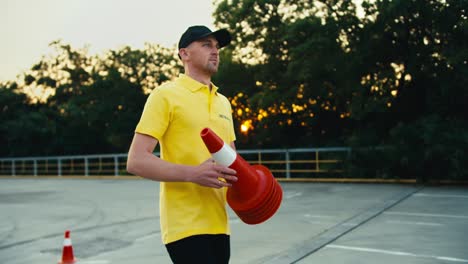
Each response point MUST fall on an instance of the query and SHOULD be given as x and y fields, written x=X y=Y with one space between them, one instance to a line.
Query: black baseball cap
x=195 y=33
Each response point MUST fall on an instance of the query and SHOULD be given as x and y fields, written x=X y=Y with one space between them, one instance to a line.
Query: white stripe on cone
x=225 y=156
x=67 y=242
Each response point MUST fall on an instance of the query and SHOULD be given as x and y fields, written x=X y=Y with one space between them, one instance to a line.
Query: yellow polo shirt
x=175 y=113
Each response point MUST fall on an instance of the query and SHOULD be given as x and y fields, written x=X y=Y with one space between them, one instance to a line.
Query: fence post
x=288 y=165
x=317 y=167
x=116 y=166
x=13 y=169
x=35 y=168
x=59 y=167
x=86 y=169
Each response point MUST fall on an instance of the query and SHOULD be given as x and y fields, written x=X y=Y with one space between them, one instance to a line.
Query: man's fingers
x=229 y=177
x=225 y=170
x=227 y=173
x=222 y=183
x=223 y=176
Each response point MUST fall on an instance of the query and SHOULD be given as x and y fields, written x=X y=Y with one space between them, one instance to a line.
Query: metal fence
x=283 y=163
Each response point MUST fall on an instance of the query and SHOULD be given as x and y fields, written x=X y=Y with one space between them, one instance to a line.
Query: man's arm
x=142 y=162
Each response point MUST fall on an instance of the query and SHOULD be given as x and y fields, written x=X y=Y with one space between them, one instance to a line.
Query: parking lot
x=116 y=221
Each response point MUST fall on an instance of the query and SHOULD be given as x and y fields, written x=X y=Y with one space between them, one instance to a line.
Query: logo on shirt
x=224 y=117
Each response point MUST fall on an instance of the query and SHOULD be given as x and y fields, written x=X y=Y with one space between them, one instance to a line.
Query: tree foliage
x=383 y=76
x=74 y=103
x=388 y=78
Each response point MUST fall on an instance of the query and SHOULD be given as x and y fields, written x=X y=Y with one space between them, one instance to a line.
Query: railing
x=283 y=163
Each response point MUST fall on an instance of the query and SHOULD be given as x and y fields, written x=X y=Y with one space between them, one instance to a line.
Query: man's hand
x=213 y=175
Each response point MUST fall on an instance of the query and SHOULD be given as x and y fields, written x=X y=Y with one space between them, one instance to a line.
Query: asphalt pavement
x=115 y=221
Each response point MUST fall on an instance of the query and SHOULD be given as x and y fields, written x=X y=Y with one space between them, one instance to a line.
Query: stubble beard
x=211 y=68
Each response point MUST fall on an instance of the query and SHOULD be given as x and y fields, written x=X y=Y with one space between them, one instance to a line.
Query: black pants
x=206 y=249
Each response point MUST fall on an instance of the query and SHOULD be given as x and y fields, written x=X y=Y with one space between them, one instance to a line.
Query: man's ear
x=183 y=53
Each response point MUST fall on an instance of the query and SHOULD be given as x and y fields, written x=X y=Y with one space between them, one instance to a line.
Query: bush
x=432 y=149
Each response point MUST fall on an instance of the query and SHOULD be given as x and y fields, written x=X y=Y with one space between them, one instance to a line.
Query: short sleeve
x=156 y=115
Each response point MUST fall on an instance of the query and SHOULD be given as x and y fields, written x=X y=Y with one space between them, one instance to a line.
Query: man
x=194 y=220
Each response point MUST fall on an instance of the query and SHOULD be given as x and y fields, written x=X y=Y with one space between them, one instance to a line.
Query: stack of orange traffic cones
x=256 y=196
x=67 y=252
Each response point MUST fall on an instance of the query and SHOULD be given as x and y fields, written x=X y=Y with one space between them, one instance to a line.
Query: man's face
x=204 y=54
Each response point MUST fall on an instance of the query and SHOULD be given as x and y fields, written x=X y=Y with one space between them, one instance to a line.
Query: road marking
x=350 y=224
x=94 y=261
x=396 y=253
x=316 y=242
x=289 y=196
x=318 y=216
x=320 y=222
x=150 y=236
x=414 y=223
x=430 y=215
x=441 y=195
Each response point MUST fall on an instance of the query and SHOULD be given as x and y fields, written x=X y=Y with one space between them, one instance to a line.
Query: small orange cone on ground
x=67 y=252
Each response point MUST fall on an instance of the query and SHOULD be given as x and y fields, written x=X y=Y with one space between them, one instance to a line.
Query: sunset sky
x=28 y=26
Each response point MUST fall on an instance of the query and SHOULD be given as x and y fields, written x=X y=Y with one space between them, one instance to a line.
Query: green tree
x=24 y=128
x=85 y=104
x=420 y=71
x=394 y=76
x=304 y=76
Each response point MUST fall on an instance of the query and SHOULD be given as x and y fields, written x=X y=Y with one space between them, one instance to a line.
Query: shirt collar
x=193 y=85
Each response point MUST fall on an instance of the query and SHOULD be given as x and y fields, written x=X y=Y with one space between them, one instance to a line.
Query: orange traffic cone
x=256 y=196
x=67 y=252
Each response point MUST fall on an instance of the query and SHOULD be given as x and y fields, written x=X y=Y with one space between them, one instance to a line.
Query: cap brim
x=222 y=36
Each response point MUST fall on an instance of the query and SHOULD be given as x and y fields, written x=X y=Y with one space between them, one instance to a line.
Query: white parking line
x=150 y=236
x=318 y=216
x=316 y=219
x=291 y=195
x=93 y=261
x=430 y=215
x=413 y=223
x=320 y=222
x=395 y=253
x=441 y=195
